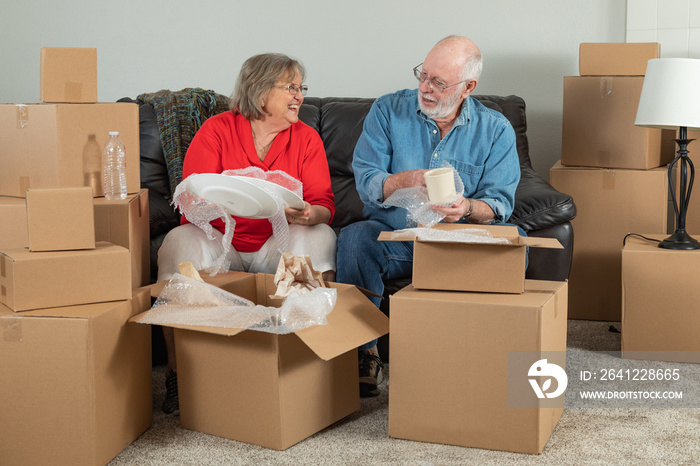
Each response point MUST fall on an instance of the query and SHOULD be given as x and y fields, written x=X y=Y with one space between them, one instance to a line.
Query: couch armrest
x=538 y=205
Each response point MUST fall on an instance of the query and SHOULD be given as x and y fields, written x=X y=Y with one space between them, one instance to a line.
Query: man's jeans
x=366 y=262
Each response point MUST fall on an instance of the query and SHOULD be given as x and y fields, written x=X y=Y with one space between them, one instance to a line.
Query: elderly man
x=407 y=133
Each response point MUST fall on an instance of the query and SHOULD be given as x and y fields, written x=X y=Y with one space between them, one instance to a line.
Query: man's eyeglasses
x=434 y=83
x=293 y=88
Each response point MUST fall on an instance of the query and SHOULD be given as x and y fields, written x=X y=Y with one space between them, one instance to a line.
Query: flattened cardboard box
x=60 y=219
x=36 y=280
x=68 y=75
x=76 y=383
x=60 y=145
x=660 y=286
x=489 y=267
x=13 y=227
x=598 y=126
x=451 y=373
x=125 y=223
x=609 y=204
x=280 y=389
x=616 y=59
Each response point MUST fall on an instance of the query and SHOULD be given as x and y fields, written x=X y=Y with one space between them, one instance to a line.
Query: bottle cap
x=114 y=133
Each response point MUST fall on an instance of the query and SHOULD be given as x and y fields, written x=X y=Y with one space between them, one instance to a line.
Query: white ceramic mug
x=441 y=185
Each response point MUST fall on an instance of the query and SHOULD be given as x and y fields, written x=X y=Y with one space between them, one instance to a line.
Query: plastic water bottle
x=114 y=167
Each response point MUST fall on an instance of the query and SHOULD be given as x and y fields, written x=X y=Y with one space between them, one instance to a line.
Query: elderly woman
x=261 y=130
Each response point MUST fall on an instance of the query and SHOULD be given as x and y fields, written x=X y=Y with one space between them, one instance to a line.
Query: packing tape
x=3 y=270
x=11 y=328
x=73 y=92
x=606 y=86
x=608 y=179
x=22 y=116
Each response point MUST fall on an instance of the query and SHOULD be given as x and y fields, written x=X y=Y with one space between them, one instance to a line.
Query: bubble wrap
x=201 y=212
x=187 y=301
x=461 y=235
x=415 y=201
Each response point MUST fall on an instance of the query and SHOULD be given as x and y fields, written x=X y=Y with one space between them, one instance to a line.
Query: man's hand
x=454 y=212
x=407 y=179
x=481 y=211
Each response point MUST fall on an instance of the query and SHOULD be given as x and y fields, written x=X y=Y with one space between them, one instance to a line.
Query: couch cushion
x=513 y=108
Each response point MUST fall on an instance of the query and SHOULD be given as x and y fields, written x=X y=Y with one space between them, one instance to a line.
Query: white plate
x=238 y=197
x=288 y=196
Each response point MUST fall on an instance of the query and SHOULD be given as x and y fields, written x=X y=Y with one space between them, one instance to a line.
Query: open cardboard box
x=266 y=389
x=489 y=267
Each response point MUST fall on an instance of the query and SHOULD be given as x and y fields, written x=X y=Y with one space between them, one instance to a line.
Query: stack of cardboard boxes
x=614 y=170
x=464 y=337
x=75 y=376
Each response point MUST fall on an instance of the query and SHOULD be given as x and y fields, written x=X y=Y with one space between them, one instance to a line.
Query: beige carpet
x=583 y=435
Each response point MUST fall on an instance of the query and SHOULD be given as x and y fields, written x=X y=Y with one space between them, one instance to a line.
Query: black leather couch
x=539 y=209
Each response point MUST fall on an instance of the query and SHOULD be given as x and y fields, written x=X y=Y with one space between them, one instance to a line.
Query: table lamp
x=671 y=100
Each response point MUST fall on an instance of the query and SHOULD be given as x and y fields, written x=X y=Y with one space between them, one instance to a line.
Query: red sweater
x=225 y=142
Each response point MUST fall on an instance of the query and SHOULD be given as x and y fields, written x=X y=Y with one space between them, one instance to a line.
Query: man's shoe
x=371 y=372
x=171 y=403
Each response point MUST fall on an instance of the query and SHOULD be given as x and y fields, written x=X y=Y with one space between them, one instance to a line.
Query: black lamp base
x=680 y=240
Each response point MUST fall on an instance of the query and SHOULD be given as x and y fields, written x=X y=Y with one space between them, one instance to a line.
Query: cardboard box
x=125 y=223
x=60 y=219
x=76 y=383
x=36 y=280
x=472 y=266
x=598 y=126
x=616 y=59
x=13 y=227
x=279 y=389
x=68 y=75
x=60 y=145
x=660 y=285
x=609 y=204
x=452 y=379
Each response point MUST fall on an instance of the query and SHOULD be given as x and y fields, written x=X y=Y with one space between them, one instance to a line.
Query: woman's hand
x=309 y=215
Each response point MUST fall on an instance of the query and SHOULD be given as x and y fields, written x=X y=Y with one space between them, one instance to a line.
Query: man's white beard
x=445 y=107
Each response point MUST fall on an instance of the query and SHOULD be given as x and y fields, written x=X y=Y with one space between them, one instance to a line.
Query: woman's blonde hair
x=257 y=77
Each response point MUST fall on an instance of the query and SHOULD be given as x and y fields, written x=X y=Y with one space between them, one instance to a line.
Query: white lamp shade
x=670 y=94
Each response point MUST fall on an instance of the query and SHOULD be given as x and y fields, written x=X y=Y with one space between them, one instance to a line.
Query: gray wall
x=362 y=48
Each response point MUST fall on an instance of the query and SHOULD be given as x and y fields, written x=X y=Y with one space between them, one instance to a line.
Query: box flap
x=498 y=231
x=81 y=311
x=354 y=321
x=199 y=328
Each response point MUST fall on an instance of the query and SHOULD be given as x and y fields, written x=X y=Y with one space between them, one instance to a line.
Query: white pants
x=189 y=243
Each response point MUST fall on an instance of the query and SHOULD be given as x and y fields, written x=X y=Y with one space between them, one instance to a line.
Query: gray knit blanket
x=180 y=114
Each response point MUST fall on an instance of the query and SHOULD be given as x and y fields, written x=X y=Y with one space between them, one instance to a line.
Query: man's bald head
x=461 y=52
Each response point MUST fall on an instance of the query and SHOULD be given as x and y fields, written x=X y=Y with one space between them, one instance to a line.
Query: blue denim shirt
x=397 y=137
